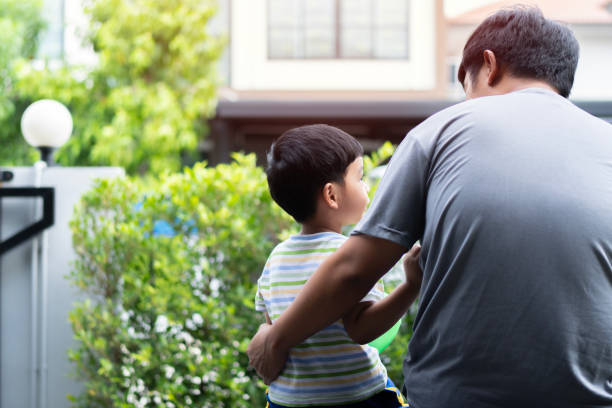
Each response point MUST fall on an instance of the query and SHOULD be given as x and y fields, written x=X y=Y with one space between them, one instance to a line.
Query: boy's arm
x=368 y=320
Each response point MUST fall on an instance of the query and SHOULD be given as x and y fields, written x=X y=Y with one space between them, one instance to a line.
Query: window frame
x=338 y=29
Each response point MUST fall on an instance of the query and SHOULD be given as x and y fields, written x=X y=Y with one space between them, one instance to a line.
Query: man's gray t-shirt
x=511 y=197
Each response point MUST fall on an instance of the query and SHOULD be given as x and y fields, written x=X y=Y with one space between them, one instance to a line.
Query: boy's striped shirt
x=328 y=368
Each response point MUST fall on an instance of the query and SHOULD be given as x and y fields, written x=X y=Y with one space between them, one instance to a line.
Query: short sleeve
x=263 y=287
x=260 y=304
x=397 y=212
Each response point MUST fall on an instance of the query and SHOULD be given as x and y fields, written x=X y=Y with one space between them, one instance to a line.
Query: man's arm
x=340 y=282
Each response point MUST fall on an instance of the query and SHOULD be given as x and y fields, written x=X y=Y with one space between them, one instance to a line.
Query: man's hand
x=267 y=359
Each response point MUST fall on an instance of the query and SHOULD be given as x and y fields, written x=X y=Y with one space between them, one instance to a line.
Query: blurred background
x=231 y=75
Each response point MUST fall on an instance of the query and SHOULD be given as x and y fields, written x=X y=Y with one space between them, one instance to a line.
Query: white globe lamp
x=47 y=125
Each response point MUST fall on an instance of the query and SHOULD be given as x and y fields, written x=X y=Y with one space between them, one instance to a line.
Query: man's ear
x=491 y=66
x=330 y=195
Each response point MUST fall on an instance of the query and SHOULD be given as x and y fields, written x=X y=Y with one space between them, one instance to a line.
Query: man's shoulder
x=492 y=110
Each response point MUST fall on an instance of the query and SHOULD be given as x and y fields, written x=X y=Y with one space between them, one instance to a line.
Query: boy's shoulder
x=302 y=244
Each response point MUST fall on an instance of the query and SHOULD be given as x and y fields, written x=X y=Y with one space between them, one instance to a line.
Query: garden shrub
x=169 y=267
x=170 y=314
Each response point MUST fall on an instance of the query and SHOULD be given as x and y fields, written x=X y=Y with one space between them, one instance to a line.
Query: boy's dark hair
x=525 y=43
x=302 y=160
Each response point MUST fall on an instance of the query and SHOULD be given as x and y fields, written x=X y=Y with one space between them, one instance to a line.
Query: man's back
x=516 y=302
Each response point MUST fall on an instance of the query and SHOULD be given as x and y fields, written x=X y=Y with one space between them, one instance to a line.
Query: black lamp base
x=46 y=154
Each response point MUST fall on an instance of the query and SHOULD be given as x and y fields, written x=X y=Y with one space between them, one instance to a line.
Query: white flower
x=190 y=325
x=161 y=324
x=169 y=371
x=186 y=337
x=215 y=285
x=198 y=320
x=140 y=387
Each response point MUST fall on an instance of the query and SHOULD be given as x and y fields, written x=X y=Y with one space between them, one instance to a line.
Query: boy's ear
x=330 y=195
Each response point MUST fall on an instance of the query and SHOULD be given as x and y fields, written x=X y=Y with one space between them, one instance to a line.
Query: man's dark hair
x=527 y=45
x=302 y=160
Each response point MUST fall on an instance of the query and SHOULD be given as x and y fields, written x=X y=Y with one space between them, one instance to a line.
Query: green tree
x=20 y=25
x=145 y=104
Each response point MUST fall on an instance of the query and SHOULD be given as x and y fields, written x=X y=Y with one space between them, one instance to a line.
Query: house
x=372 y=67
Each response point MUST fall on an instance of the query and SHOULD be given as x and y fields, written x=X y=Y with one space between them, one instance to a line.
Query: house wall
x=251 y=69
x=593 y=79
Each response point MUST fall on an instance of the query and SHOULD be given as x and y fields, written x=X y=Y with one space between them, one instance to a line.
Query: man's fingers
x=251 y=348
x=268 y=363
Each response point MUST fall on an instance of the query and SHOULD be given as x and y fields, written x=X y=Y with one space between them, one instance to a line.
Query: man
x=510 y=194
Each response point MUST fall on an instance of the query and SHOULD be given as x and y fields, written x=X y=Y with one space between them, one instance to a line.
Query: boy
x=315 y=174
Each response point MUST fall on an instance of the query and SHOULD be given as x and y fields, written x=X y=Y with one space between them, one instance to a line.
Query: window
x=219 y=26
x=332 y=29
x=51 y=43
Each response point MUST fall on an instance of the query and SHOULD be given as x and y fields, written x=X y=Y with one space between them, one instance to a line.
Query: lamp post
x=47 y=125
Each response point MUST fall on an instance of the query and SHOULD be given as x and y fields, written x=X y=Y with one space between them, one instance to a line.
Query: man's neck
x=509 y=84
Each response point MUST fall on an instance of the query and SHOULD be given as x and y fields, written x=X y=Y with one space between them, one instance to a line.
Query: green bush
x=169 y=267
x=170 y=316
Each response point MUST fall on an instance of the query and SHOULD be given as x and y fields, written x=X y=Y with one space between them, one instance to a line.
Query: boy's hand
x=414 y=274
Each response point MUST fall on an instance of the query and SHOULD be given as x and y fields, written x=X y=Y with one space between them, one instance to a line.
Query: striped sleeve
x=263 y=288
x=376 y=293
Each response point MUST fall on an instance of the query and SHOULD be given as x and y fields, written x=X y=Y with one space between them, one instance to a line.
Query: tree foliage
x=20 y=25
x=144 y=105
